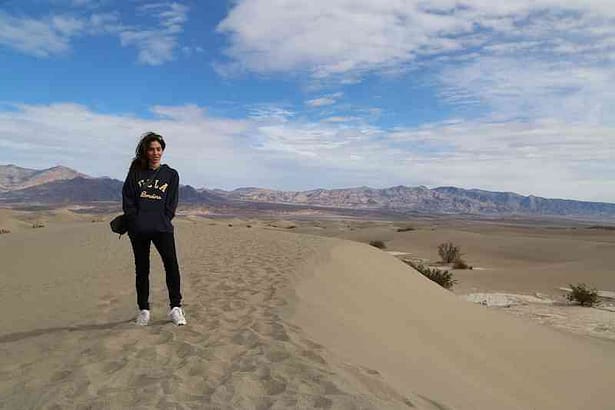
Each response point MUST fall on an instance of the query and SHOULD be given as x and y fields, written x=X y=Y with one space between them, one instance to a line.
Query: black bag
x=119 y=224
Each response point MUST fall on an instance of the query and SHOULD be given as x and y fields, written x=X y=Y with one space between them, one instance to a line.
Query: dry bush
x=2 y=231
x=460 y=264
x=582 y=295
x=603 y=227
x=378 y=244
x=449 y=252
x=405 y=229
x=443 y=278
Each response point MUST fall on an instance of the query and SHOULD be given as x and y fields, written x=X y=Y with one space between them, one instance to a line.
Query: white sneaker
x=177 y=316
x=143 y=317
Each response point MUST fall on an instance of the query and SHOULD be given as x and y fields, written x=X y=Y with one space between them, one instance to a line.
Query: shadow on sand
x=13 y=337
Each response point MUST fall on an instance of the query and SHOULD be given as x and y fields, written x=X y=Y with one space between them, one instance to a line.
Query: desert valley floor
x=304 y=313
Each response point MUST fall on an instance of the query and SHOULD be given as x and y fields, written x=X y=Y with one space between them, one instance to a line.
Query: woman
x=149 y=199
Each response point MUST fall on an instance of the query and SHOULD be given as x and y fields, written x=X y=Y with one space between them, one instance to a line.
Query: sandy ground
x=68 y=340
x=278 y=320
x=512 y=260
x=370 y=309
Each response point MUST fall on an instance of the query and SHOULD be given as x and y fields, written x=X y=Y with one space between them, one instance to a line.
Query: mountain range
x=13 y=177
x=63 y=185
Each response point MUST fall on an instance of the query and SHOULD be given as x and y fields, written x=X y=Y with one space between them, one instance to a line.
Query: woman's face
x=154 y=154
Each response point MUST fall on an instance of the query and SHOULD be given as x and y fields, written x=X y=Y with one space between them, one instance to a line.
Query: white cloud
x=533 y=88
x=319 y=102
x=548 y=158
x=157 y=46
x=154 y=47
x=81 y=3
x=340 y=119
x=35 y=37
x=67 y=26
x=527 y=58
x=270 y=112
x=339 y=36
x=52 y=35
x=201 y=147
x=329 y=99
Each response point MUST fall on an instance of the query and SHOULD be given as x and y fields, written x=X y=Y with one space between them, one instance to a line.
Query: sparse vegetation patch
x=443 y=278
x=582 y=295
x=449 y=252
x=460 y=264
x=602 y=227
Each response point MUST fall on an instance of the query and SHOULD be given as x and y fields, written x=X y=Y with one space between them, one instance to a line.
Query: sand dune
x=69 y=340
x=16 y=221
x=515 y=259
x=370 y=310
x=276 y=320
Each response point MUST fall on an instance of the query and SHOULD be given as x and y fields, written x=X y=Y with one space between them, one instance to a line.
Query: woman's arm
x=172 y=197
x=129 y=197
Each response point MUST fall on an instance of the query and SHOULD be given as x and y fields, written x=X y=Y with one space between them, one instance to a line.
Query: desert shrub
x=582 y=295
x=443 y=278
x=378 y=244
x=405 y=229
x=248 y=226
x=449 y=252
x=38 y=225
x=230 y=224
x=282 y=225
x=2 y=230
x=604 y=227
x=460 y=264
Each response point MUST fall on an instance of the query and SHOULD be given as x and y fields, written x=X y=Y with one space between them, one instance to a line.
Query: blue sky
x=300 y=95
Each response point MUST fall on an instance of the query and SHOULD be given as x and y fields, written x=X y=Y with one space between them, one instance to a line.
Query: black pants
x=165 y=244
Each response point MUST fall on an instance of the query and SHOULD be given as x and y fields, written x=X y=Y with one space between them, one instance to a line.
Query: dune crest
x=276 y=320
x=372 y=310
x=72 y=342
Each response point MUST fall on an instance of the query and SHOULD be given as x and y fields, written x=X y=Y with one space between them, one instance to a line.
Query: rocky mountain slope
x=13 y=177
x=444 y=199
x=64 y=185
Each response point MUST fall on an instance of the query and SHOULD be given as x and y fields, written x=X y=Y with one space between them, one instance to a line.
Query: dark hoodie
x=150 y=208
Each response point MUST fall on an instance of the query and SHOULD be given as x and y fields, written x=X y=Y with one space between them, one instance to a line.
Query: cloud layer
x=529 y=85
x=549 y=158
x=528 y=58
x=336 y=36
x=53 y=34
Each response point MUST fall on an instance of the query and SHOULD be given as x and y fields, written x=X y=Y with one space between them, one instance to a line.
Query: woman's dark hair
x=140 y=159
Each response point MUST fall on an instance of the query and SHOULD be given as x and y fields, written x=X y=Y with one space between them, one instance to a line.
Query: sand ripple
x=235 y=353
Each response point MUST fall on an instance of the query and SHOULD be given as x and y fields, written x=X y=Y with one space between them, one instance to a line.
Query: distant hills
x=448 y=200
x=62 y=185
x=13 y=177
